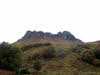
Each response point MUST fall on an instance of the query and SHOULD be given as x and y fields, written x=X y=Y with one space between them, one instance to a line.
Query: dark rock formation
x=66 y=35
x=63 y=35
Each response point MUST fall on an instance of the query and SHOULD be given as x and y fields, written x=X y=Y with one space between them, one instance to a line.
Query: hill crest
x=65 y=35
x=61 y=38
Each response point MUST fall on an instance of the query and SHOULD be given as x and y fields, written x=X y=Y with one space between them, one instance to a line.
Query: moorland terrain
x=44 y=53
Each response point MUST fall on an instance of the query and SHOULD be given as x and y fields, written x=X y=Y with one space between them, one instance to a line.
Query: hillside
x=68 y=51
x=66 y=61
x=58 y=54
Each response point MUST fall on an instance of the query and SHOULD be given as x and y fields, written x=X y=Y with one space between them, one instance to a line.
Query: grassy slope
x=6 y=72
x=70 y=65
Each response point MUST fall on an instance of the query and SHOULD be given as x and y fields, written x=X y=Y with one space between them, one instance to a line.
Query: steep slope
x=70 y=63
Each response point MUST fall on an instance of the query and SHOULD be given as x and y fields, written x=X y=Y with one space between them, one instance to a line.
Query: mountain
x=59 y=54
x=71 y=54
x=64 y=37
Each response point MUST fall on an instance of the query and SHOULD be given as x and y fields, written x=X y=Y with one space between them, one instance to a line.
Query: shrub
x=30 y=58
x=88 y=56
x=97 y=54
x=47 y=44
x=24 y=71
x=79 y=48
x=27 y=47
x=49 y=53
x=10 y=56
x=96 y=63
x=34 y=57
x=37 y=65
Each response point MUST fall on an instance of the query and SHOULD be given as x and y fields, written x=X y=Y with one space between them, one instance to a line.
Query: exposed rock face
x=63 y=35
x=66 y=35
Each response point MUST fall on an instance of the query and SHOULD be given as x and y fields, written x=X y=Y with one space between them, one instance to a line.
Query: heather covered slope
x=66 y=60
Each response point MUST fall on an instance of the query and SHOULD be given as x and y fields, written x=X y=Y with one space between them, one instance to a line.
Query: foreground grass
x=65 y=73
x=6 y=72
x=71 y=73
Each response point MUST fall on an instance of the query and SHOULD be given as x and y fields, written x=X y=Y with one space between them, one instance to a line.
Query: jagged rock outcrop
x=63 y=35
x=66 y=35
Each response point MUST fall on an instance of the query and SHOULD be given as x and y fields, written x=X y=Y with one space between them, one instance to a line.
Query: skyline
x=80 y=17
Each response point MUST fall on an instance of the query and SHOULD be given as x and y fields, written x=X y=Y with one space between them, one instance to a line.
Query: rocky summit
x=33 y=37
x=65 y=35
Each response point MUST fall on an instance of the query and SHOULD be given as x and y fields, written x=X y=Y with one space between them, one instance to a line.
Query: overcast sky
x=80 y=17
